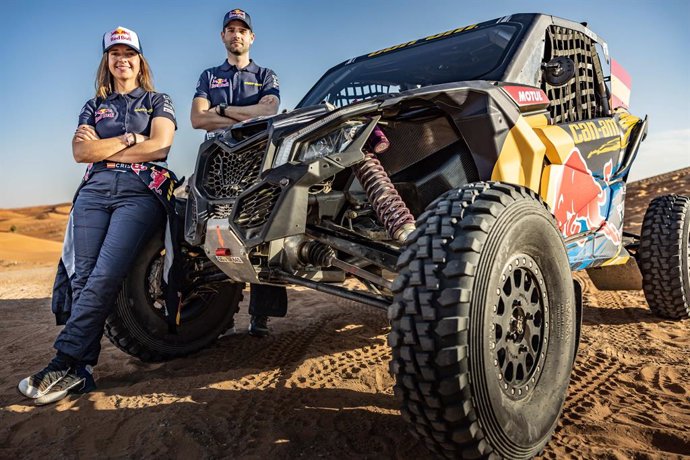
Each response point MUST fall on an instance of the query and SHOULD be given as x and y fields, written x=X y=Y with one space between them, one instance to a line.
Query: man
x=235 y=91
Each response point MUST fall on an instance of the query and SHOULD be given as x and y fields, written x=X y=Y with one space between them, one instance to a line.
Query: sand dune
x=46 y=222
x=16 y=249
x=319 y=385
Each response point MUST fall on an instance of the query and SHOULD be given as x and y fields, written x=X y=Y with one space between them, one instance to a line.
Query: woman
x=124 y=133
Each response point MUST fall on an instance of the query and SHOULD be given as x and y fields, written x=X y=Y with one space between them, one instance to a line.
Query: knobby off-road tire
x=664 y=256
x=483 y=324
x=138 y=326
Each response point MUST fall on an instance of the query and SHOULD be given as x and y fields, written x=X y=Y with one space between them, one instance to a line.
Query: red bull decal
x=119 y=34
x=219 y=83
x=104 y=113
x=238 y=14
x=138 y=167
x=582 y=203
x=157 y=180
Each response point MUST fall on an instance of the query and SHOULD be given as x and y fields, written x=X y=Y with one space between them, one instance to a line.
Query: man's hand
x=268 y=105
x=272 y=101
x=204 y=116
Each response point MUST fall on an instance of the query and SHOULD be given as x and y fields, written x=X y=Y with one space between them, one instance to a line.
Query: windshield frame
x=493 y=73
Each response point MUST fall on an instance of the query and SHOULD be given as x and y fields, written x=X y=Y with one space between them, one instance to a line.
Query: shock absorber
x=384 y=198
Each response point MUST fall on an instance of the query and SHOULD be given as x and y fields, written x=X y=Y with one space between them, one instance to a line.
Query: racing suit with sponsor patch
x=116 y=210
x=227 y=84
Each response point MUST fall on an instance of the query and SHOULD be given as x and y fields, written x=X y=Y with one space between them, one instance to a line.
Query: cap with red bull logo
x=121 y=36
x=237 y=15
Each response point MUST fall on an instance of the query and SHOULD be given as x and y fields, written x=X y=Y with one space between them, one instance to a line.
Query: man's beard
x=237 y=49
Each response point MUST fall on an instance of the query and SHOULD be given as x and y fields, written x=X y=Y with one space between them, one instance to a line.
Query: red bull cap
x=121 y=36
x=237 y=15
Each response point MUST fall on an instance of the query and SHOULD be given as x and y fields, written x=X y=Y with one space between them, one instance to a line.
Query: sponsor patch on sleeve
x=168 y=105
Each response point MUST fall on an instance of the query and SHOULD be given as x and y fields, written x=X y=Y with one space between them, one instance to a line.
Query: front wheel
x=138 y=325
x=484 y=323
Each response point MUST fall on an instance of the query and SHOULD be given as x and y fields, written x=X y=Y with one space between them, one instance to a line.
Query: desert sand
x=319 y=385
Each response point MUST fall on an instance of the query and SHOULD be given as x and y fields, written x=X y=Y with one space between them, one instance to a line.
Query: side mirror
x=559 y=70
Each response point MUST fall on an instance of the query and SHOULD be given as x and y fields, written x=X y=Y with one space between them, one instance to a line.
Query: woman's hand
x=85 y=133
x=88 y=147
x=152 y=148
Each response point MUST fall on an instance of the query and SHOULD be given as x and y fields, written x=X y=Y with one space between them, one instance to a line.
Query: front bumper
x=227 y=251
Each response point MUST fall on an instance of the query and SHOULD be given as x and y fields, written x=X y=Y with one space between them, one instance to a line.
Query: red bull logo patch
x=237 y=14
x=120 y=34
x=104 y=113
x=138 y=167
x=582 y=203
x=157 y=180
x=219 y=83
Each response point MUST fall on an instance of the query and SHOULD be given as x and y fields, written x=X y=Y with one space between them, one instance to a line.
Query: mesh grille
x=576 y=100
x=255 y=208
x=220 y=211
x=193 y=210
x=228 y=174
x=359 y=91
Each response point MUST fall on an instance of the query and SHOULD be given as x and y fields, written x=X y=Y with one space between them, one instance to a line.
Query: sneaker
x=79 y=379
x=42 y=382
x=258 y=326
x=85 y=371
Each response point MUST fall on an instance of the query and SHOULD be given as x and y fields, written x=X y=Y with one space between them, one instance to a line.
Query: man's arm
x=268 y=105
x=205 y=117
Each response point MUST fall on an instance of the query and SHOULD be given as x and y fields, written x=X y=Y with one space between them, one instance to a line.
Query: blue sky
x=49 y=52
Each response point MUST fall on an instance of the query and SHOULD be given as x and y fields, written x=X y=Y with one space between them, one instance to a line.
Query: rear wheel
x=484 y=323
x=664 y=256
x=138 y=325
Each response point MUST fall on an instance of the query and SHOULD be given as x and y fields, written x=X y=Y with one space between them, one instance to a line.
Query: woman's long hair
x=104 y=79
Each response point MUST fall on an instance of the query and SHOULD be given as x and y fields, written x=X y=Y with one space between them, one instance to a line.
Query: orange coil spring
x=387 y=203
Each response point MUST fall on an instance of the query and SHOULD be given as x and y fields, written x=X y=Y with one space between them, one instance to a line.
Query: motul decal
x=526 y=96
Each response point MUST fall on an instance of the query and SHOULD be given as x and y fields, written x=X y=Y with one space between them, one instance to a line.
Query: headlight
x=334 y=142
x=285 y=150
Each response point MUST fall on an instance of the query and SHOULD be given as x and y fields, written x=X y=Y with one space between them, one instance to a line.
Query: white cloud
x=662 y=152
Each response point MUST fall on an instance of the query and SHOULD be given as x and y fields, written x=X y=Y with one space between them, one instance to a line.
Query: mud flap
x=268 y=300
x=624 y=277
x=577 y=287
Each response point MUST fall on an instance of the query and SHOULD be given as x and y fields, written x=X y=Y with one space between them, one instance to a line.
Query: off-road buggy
x=461 y=178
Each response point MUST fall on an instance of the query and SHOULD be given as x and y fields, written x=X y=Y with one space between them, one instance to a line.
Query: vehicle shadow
x=613 y=307
x=210 y=423
x=318 y=386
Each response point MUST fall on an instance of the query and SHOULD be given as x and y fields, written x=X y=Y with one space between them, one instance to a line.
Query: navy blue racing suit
x=241 y=87
x=117 y=209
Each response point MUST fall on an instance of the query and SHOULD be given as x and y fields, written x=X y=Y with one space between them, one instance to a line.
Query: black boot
x=258 y=326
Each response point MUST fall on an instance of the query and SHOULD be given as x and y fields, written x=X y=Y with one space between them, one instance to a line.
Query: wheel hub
x=519 y=327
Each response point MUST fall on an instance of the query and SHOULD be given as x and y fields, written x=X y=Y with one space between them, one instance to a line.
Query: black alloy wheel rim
x=193 y=304
x=519 y=327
